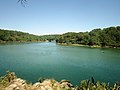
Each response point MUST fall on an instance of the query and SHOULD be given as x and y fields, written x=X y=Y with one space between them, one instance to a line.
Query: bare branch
x=23 y=2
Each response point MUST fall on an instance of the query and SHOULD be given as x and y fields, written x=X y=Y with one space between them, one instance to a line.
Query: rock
x=37 y=84
x=65 y=83
x=48 y=84
x=45 y=85
x=17 y=84
x=11 y=87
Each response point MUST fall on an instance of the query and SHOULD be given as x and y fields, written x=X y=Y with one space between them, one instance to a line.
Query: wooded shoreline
x=82 y=45
x=104 y=38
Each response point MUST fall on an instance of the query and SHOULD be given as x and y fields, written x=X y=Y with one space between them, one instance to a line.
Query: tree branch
x=23 y=2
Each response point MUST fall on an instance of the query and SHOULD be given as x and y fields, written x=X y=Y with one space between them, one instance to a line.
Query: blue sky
x=59 y=16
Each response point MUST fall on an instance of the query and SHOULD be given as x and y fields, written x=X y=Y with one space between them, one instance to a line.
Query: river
x=31 y=61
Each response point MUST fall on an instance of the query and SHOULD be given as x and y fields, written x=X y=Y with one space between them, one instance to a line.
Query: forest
x=106 y=37
x=17 y=36
x=100 y=37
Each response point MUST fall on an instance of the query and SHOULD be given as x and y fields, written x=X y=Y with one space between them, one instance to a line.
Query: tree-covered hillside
x=16 y=36
x=102 y=37
x=50 y=37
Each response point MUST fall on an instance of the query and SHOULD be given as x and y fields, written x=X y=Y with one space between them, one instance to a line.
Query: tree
x=95 y=37
x=102 y=37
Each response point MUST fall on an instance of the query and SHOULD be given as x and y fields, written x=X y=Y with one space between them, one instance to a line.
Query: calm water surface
x=34 y=60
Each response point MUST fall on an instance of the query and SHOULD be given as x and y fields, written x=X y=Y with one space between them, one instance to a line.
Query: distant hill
x=106 y=37
x=17 y=36
x=52 y=37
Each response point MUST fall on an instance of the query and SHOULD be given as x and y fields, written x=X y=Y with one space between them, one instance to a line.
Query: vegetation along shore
x=11 y=82
x=106 y=37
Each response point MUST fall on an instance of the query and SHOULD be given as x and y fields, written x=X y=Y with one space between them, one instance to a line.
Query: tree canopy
x=17 y=36
x=102 y=37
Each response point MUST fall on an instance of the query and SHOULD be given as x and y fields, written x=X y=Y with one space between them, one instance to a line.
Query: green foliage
x=101 y=37
x=5 y=80
x=94 y=37
x=89 y=85
x=16 y=36
x=49 y=37
x=98 y=37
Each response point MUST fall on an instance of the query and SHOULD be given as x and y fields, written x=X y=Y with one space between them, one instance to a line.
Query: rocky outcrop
x=17 y=84
x=48 y=84
x=11 y=82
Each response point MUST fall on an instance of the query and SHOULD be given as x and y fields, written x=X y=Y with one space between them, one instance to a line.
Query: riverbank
x=11 y=82
x=91 y=46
